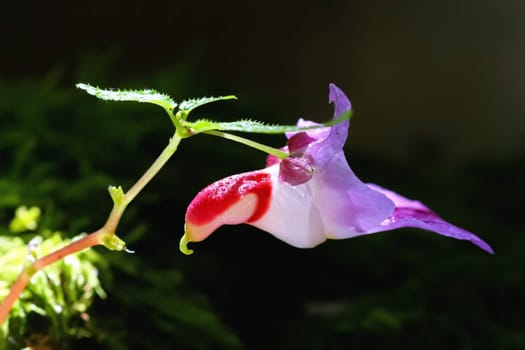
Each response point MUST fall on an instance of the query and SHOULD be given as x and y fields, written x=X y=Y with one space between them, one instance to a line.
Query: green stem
x=153 y=169
x=267 y=149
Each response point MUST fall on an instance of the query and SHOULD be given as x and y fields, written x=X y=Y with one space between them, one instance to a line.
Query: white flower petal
x=292 y=217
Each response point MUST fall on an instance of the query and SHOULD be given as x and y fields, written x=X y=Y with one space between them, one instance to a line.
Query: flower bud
x=296 y=170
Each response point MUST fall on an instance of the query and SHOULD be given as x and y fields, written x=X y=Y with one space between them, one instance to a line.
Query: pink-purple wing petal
x=411 y=213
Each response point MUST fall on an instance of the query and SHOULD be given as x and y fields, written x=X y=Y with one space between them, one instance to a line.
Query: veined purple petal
x=348 y=206
x=339 y=132
x=338 y=97
x=410 y=213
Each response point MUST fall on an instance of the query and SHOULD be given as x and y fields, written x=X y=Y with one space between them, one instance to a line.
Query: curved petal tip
x=339 y=99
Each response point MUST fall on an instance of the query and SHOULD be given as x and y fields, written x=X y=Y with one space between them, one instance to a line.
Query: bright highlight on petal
x=312 y=195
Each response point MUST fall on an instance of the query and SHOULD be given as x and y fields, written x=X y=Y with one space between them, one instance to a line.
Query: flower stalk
x=250 y=143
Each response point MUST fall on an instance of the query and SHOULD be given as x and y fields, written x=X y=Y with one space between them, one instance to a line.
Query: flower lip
x=233 y=200
x=221 y=195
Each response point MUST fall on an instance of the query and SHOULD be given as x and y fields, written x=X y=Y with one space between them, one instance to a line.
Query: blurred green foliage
x=59 y=150
x=57 y=299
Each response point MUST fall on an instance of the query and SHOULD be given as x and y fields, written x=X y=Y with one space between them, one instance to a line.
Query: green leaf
x=188 y=105
x=146 y=95
x=252 y=126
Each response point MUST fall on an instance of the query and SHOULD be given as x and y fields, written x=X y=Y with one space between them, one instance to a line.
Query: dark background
x=444 y=75
x=437 y=88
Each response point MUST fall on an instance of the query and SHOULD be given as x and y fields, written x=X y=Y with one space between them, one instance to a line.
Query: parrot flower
x=310 y=196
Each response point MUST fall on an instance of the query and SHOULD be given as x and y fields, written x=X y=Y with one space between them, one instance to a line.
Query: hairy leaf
x=190 y=104
x=145 y=95
x=253 y=126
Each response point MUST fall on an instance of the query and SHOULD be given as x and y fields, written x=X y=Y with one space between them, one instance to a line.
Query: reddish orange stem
x=13 y=295
x=85 y=242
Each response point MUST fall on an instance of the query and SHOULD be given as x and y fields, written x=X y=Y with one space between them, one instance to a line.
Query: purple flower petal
x=411 y=213
x=348 y=206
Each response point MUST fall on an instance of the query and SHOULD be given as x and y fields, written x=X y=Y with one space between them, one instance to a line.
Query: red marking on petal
x=221 y=195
